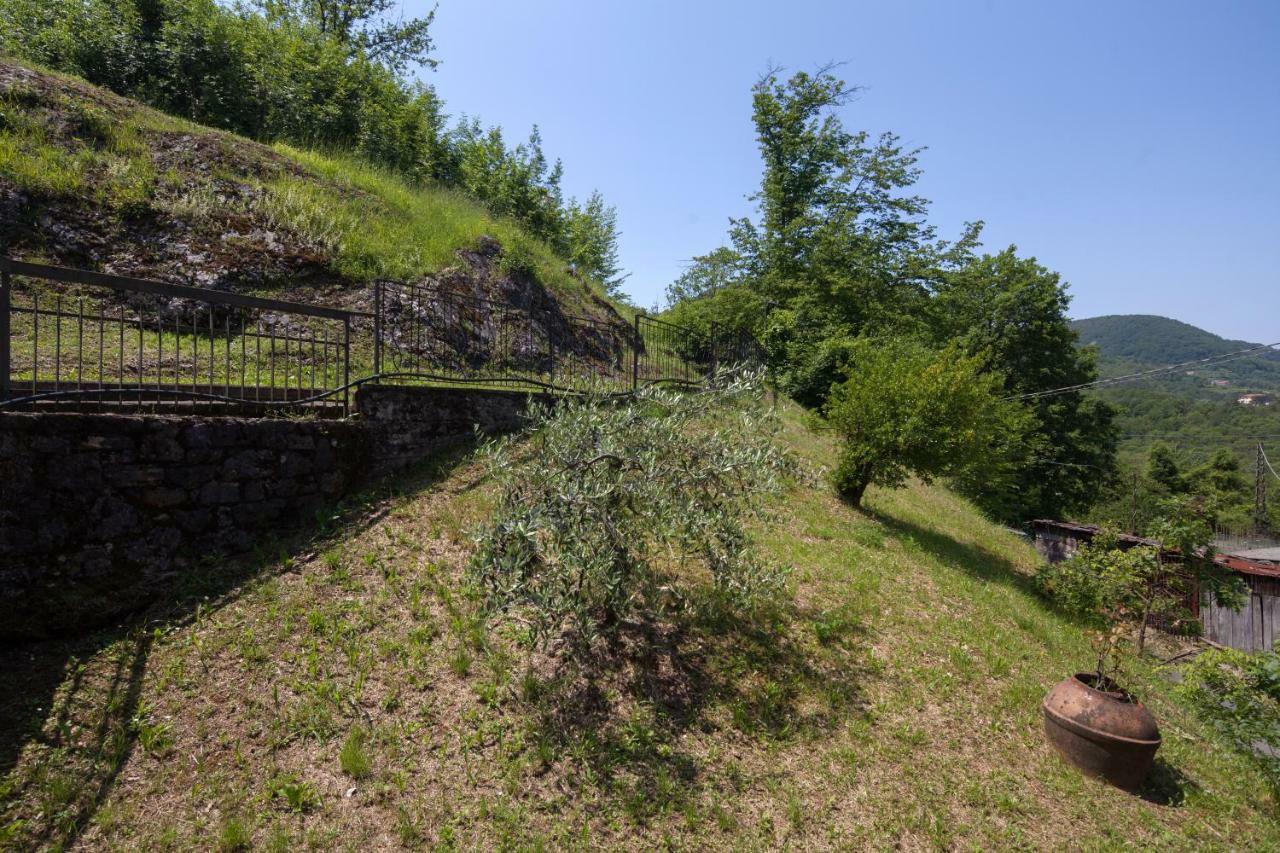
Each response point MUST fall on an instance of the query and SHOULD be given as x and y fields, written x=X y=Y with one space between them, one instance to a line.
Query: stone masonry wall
x=404 y=421
x=99 y=513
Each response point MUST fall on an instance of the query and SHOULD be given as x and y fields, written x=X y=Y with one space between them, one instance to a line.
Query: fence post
x=5 y=300
x=377 y=330
x=715 y=355
x=551 y=356
x=346 y=365
x=635 y=355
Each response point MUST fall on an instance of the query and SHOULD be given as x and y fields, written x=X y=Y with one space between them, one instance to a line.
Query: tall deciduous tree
x=1012 y=313
x=842 y=247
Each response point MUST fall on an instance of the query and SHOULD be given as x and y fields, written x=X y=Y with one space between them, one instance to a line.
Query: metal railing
x=114 y=343
x=121 y=342
x=430 y=334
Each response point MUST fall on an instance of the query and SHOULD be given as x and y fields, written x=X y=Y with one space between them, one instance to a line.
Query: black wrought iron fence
x=76 y=336
x=665 y=352
x=82 y=338
x=430 y=334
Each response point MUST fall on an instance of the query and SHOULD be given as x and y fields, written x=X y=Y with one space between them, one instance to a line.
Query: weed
x=460 y=662
x=833 y=626
x=155 y=738
x=234 y=836
x=298 y=795
x=354 y=758
x=407 y=829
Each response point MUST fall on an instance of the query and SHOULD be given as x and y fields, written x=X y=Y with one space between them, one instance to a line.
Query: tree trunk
x=853 y=493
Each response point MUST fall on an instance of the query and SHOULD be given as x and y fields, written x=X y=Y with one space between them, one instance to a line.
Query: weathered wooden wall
x=1254 y=627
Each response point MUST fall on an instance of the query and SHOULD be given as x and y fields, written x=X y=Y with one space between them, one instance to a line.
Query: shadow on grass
x=70 y=707
x=1166 y=785
x=623 y=710
x=972 y=559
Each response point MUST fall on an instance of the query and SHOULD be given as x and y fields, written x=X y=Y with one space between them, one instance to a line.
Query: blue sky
x=1133 y=147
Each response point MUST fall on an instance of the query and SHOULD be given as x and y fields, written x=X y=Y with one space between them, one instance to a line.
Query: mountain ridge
x=1128 y=343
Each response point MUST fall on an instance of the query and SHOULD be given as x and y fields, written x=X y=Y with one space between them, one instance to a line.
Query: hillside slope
x=1128 y=343
x=346 y=697
x=91 y=179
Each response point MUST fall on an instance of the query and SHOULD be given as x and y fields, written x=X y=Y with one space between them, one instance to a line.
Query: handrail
x=179 y=291
x=423 y=345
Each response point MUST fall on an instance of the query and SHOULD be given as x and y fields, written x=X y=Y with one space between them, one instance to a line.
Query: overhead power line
x=1268 y=461
x=1182 y=438
x=1157 y=371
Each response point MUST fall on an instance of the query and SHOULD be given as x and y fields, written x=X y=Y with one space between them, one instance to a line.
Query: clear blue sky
x=1134 y=147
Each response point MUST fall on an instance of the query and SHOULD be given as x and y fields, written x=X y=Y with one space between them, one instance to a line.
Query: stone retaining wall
x=99 y=513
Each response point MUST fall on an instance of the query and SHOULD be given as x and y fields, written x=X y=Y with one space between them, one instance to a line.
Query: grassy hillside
x=1128 y=343
x=345 y=696
x=88 y=178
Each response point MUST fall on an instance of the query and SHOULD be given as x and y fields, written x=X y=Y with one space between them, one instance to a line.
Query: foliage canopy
x=905 y=409
x=842 y=249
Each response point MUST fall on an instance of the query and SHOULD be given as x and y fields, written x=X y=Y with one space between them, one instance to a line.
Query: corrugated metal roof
x=1262 y=562
x=1268 y=554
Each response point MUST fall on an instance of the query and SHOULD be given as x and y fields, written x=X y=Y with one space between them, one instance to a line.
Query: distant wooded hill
x=1128 y=343
x=1186 y=408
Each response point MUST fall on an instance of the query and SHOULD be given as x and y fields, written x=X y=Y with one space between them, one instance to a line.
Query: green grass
x=378 y=226
x=96 y=155
x=62 y=139
x=895 y=703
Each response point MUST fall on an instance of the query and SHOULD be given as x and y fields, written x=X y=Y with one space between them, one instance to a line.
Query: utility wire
x=1211 y=360
x=1235 y=436
x=1268 y=461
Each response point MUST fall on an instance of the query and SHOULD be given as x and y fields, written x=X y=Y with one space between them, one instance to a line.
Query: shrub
x=1131 y=590
x=622 y=510
x=1238 y=693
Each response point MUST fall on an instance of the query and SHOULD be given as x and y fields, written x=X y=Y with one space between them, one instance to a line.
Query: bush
x=1133 y=589
x=622 y=511
x=1239 y=695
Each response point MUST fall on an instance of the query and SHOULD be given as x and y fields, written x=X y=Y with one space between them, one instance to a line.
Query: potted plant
x=1089 y=718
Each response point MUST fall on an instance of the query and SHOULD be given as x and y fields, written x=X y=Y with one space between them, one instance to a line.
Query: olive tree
x=617 y=510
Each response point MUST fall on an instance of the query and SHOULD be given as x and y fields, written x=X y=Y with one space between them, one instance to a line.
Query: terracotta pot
x=1105 y=732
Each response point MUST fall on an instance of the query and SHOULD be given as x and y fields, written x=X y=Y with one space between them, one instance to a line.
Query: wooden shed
x=1252 y=628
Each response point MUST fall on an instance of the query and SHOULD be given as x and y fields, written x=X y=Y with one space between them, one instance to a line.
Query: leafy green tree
x=364 y=27
x=1221 y=475
x=592 y=242
x=706 y=276
x=1163 y=469
x=1132 y=589
x=905 y=409
x=842 y=247
x=1012 y=313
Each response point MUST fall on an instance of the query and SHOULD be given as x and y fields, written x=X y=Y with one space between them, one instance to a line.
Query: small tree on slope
x=905 y=409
